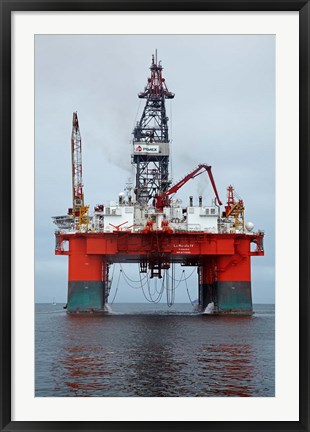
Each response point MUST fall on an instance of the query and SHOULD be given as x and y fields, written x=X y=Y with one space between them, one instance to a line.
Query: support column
x=206 y=277
x=233 y=286
x=87 y=279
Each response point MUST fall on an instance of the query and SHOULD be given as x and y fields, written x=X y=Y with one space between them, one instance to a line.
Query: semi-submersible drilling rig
x=146 y=225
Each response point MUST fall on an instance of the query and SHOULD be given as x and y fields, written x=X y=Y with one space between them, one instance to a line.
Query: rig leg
x=233 y=286
x=87 y=280
x=206 y=283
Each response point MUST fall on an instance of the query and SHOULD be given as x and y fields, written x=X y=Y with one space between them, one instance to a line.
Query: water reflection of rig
x=148 y=226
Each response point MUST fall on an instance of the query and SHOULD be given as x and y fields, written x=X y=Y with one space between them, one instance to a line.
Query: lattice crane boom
x=76 y=157
x=79 y=210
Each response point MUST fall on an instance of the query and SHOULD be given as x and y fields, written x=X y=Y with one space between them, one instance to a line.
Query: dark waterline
x=152 y=350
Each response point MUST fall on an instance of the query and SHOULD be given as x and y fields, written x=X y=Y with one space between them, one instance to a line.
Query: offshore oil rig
x=148 y=226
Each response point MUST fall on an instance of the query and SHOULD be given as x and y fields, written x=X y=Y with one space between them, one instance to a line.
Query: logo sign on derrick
x=143 y=148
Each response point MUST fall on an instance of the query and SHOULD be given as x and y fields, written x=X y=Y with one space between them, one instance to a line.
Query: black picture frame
x=9 y=6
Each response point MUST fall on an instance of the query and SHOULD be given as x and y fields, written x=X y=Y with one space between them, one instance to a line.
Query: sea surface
x=153 y=350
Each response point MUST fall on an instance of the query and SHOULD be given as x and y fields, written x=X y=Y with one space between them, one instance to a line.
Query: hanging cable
x=170 y=291
x=132 y=280
x=119 y=276
x=158 y=298
x=180 y=280
x=129 y=284
x=110 y=281
x=192 y=303
x=160 y=293
x=169 y=283
x=149 y=300
x=183 y=279
x=160 y=290
x=143 y=283
x=149 y=289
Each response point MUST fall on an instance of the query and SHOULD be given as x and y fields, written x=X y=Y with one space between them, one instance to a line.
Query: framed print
x=146 y=101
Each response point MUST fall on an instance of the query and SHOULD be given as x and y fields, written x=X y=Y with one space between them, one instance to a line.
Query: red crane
x=162 y=199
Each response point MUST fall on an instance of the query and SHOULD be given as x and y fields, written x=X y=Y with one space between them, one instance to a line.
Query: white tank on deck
x=249 y=226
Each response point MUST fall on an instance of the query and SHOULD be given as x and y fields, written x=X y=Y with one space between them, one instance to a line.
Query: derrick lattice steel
x=151 y=139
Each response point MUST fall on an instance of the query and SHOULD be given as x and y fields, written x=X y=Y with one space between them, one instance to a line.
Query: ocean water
x=152 y=350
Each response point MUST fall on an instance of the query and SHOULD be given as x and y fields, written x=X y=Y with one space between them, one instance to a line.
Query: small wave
x=110 y=311
x=263 y=314
x=209 y=309
x=51 y=312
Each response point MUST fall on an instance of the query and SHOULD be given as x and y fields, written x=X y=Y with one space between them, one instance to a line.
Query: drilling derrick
x=151 y=140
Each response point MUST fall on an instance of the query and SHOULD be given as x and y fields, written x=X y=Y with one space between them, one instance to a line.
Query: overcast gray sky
x=223 y=114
